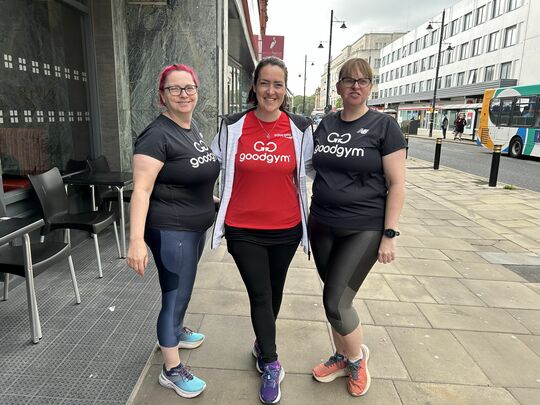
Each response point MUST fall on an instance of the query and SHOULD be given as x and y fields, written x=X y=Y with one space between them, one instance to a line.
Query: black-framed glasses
x=190 y=90
x=350 y=82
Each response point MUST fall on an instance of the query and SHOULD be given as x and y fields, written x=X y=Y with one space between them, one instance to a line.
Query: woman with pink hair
x=172 y=206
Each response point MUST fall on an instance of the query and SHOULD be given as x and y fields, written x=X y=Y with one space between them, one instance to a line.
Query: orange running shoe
x=334 y=367
x=359 y=378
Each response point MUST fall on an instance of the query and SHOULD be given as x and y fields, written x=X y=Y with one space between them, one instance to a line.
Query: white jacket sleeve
x=307 y=152
x=219 y=143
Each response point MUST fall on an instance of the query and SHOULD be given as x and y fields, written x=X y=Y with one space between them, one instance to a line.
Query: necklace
x=264 y=129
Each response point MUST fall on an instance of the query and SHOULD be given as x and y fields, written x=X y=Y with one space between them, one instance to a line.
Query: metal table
x=118 y=180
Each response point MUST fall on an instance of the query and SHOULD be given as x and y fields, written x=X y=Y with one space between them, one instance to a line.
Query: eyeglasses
x=350 y=82
x=177 y=90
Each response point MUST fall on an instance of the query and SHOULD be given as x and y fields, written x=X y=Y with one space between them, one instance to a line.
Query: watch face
x=390 y=233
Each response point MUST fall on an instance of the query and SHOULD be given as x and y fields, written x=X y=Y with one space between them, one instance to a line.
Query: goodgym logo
x=264 y=153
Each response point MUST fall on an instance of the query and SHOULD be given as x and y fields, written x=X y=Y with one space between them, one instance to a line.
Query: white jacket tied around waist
x=225 y=145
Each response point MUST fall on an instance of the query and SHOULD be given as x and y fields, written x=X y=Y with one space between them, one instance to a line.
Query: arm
x=394 y=172
x=145 y=171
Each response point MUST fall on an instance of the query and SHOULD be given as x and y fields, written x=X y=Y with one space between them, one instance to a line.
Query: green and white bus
x=511 y=118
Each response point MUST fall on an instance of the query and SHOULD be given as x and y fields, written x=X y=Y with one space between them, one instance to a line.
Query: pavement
x=454 y=320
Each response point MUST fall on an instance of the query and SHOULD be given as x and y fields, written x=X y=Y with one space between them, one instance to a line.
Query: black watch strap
x=391 y=233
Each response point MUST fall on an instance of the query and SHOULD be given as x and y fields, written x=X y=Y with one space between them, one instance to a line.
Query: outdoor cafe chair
x=53 y=199
x=29 y=259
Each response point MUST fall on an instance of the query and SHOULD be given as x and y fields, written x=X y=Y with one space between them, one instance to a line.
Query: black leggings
x=343 y=259
x=263 y=269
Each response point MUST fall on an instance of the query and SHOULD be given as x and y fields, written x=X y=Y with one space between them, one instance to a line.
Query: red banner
x=272 y=45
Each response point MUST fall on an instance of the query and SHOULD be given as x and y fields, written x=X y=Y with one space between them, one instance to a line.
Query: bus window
x=506 y=112
x=523 y=112
x=494 y=109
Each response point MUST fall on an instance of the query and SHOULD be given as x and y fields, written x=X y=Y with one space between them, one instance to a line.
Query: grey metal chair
x=23 y=260
x=53 y=199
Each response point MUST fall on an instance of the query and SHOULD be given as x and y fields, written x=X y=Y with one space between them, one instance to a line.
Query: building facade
x=485 y=44
x=367 y=47
x=79 y=77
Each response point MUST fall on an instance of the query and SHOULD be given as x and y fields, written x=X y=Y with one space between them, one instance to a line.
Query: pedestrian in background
x=172 y=206
x=444 y=125
x=358 y=194
x=264 y=154
x=459 y=126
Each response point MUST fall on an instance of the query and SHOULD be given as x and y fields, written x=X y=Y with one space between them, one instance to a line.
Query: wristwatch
x=391 y=233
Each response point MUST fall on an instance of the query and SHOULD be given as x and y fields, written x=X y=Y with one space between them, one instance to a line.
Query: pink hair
x=167 y=71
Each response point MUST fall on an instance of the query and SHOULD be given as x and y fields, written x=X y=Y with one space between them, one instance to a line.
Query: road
x=476 y=160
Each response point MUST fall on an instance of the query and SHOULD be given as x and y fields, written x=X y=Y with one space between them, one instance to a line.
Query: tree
x=310 y=104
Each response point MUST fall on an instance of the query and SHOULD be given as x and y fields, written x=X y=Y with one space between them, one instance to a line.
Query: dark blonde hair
x=270 y=60
x=352 y=65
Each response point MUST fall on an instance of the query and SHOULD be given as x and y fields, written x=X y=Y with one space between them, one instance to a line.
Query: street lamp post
x=328 y=107
x=305 y=77
x=432 y=118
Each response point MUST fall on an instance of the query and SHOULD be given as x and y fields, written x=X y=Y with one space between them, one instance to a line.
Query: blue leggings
x=176 y=254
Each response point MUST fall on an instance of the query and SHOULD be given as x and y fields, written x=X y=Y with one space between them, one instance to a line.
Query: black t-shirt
x=182 y=198
x=350 y=189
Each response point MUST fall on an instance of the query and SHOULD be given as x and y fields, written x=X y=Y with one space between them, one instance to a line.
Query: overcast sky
x=304 y=23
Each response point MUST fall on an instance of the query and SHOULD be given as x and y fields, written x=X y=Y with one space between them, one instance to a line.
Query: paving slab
x=486 y=271
x=435 y=356
x=307 y=307
x=388 y=268
x=504 y=294
x=509 y=247
x=471 y=318
x=396 y=314
x=448 y=290
x=511 y=258
x=492 y=350
x=448 y=394
x=464 y=256
x=450 y=231
x=423 y=267
x=530 y=318
x=425 y=253
x=409 y=241
x=303 y=281
x=204 y=301
x=532 y=342
x=447 y=243
x=363 y=312
x=526 y=396
x=384 y=361
x=376 y=287
x=219 y=276
x=407 y=288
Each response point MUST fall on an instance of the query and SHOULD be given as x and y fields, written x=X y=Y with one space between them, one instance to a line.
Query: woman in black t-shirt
x=358 y=193
x=172 y=206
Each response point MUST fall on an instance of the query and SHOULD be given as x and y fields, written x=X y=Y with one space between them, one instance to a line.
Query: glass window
x=426 y=41
x=506 y=69
x=510 y=36
x=475 y=51
x=471 y=79
x=431 y=61
x=418 y=44
x=506 y=111
x=45 y=119
x=523 y=112
x=423 y=64
x=445 y=31
x=413 y=88
x=450 y=56
x=489 y=73
x=409 y=67
x=415 y=67
x=429 y=84
x=494 y=111
x=421 y=85
x=467 y=21
x=463 y=51
x=411 y=48
x=377 y=63
x=407 y=89
x=480 y=15
x=439 y=82
x=460 y=79
x=492 y=41
x=454 y=28
x=448 y=81
x=434 y=36
x=513 y=4
x=496 y=6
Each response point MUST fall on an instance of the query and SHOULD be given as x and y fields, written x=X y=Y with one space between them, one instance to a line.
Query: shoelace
x=181 y=371
x=271 y=376
x=354 y=367
x=187 y=331
x=336 y=358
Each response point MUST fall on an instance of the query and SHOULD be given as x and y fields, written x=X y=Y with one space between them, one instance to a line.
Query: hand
x=137 y=256
x=387 y=250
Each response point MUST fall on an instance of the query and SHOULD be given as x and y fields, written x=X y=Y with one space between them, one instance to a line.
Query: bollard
x=407 y=147
x=495 y=165
x=437 y=159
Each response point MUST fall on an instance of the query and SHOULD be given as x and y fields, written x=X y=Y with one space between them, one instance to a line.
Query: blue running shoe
x=273 y=375
x=259 y=363
x=182 y=381
x=190 y=339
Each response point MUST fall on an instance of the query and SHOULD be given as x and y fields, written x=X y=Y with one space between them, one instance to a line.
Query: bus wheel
x=516 y=147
